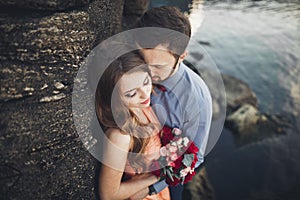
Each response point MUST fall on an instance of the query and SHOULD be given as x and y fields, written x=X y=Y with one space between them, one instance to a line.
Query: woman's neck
x=140 y=114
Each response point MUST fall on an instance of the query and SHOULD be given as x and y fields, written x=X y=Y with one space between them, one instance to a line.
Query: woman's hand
x=140 y=194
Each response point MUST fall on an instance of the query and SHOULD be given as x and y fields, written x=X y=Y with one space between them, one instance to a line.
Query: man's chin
x=156 y=79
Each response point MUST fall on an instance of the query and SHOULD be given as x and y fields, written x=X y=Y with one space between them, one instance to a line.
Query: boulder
x=238 y=93
x=244 y=118
x=249 y=125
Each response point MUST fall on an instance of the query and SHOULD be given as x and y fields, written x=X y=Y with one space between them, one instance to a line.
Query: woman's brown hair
x=113 y=113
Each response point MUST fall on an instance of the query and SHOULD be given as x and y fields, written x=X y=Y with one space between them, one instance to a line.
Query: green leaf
x=188 y=159
x=164 y=171
x=182 y=180
x=177 y=176
x=170 y=175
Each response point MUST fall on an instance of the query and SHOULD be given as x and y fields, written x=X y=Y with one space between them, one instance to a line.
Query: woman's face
x=135 y=89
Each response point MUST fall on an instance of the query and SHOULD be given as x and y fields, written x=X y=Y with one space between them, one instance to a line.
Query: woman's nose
x=143 y=92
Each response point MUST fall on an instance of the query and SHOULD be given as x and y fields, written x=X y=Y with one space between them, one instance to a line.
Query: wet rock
x=249 y=125
x=199 y=187
x=237 y=93
x=244 y=118
x=53 y=5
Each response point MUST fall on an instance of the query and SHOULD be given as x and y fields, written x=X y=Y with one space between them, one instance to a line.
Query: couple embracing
x=141 y=97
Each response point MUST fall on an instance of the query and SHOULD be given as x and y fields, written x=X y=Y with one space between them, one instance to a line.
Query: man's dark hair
x=168 y=18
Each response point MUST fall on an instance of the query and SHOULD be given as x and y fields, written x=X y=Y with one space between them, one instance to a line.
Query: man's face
x=161 y=63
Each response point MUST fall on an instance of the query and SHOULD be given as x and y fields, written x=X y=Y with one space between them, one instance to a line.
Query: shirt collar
x=172 y=81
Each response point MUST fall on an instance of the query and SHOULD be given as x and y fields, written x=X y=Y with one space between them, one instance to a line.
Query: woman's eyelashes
x=130 y=95
x=147 y=81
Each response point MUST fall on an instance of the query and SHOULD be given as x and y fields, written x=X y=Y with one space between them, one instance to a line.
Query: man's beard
x=156 y=79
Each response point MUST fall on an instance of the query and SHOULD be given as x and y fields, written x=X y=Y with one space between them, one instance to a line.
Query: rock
x=244 y=118
x=59 y=85
x=135 y=7
x=249 y=125
x=133 y=10
x=237 y=93
x=103 y=20
x=199 y=187
x=46 y=40
x=41 y=154
x=40 y=53
x=53 y=98
x=53 y=5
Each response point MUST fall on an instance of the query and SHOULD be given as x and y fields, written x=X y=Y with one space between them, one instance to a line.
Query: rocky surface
x=133 y=10
x=52 y=5
x=245 y=120
x=237 y=93
x=200 y=187
x=40 y=52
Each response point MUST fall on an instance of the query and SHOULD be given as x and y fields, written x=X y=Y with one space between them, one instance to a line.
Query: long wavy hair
x=113 y=113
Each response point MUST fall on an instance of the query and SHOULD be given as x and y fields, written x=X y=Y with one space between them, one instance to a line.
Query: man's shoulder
x=190 y=74
x=191 y=82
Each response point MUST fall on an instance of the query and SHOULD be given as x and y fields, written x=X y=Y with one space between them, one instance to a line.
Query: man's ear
x=183 y=56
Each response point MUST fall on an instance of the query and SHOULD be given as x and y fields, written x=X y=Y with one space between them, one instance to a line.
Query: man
x=182 y=98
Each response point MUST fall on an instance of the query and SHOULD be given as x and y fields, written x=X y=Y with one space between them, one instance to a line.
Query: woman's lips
x=146 y=101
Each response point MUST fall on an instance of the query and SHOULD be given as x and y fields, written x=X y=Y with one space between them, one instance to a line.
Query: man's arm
x=197 y=121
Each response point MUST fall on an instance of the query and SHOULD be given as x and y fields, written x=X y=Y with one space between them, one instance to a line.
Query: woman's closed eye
x=147 y=81
x=130 y=95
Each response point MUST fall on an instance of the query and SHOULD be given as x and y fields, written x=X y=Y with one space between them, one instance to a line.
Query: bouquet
x=178 y=156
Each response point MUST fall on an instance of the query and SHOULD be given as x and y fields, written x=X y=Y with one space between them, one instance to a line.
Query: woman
x=132 y=129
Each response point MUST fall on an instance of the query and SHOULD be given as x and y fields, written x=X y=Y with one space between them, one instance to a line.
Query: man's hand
x=140 y=194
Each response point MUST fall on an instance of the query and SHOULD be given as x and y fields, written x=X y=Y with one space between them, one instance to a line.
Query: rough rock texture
x=244 y=118
x=53 y=5
x=199 y=187
x=133 y=10
x=237 y=93
x=249 y=125
x=40 y=52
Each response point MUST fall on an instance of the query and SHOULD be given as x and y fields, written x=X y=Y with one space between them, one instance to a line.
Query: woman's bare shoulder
x=118 y=137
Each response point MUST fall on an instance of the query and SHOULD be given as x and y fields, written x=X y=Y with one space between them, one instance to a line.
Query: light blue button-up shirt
x=186 y=105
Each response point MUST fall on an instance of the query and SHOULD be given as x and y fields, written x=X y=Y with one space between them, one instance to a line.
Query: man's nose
x=152 y=71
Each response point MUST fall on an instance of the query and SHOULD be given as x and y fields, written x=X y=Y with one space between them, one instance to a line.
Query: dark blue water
x=257 y=42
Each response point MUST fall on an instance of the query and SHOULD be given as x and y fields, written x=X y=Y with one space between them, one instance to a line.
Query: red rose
x=167 y=135
x=192 y=148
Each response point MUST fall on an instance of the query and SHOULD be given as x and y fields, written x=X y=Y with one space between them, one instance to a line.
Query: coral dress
x=151 y=152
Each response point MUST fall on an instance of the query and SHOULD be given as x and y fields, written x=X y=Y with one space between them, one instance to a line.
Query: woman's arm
x=110 y=185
